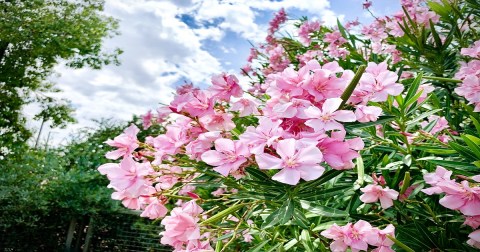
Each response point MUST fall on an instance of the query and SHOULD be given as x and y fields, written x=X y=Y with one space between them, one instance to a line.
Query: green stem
x=400 y=244
x=442 y=79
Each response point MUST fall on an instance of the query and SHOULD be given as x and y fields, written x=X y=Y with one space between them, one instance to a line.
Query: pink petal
x=213 y=157
x=316 y=124
x=386 y=202
x=452 y=202
x=267 y=161
x=223 y=145
x=331 y=105
x=369 y=198
x=287 y=176
x=286 y=148
x=311 y=172
x=310 y=155
x=344 y=116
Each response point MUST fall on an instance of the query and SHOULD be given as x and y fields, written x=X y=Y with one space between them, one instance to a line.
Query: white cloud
x=160 y=49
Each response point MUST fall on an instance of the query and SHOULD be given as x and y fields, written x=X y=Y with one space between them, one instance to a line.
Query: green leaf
x=349 y=90
x=300 y=219
x=281 y=215
x=258 y=247
x=290 y=244
x=400 y=244
x=476 y=123
x=413 y=89
x=222 y=214
x=406 y=183
x=462 y=150
x=473 y=143
x=327 y=176
x=318 y=210
x=306 y=240
x=459 y=167
x=360 y=170
x=422 y=116
x=342 y=29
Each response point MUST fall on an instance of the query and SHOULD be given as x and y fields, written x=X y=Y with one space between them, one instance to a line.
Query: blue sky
x=167 y=42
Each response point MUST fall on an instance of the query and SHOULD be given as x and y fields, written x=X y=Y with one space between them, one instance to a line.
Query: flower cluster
x=359 y=236
x=252 y=158
x=458 y=196
x=469 y=73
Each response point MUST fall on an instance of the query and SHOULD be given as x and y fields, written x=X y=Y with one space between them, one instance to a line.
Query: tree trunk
x=89 y=235
x=71 y=231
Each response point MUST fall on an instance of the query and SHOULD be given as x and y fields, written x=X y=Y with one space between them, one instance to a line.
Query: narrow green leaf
x=459 y=167
x=406 y=183
x=400 y=244
x=258 y=247
x=422 y=116
x=471 y=142
x=327 y=176
x=412 y=90
x=318 y=210
x=349 y=90
x=476 y=123
x=222 y=214
x=327 y=225
x=360 y=170
x=462 y=150
x=290 y=244
x=306 y=240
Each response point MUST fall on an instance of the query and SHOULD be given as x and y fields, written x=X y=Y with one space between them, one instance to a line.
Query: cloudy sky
x=168 y=42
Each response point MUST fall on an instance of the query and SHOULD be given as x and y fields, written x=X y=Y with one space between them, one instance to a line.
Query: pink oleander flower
x=219 y=121
x=147 y=120
x=329 y=116
x=170 y=142
x=476 y=178
x=186 y=88
x=154 y=210
x=128 y=175
x=384 y=244
x=356 y=236
x=227 y=157
x=472 y=221
x=197 y=246
x=293 y=108
x=473 y=51
x=218 y=192
x=338 y=153
x=264 y=135
x=125 y=143
x=433 y=179
x=377 y=83
x=474 y=240
x=224 y=86
x=279 y=18
x=470 y=89
x=162 y=113
x=199 y=103
x=367 y=4
x=323 y=84
x=246 y=107
x=425 y=89
x=373 y=193
x=367 y=113
x=306 y=29
x=297 y=160
x=181 y=227
x=461 y=197
x=203 y=143
x=440 y=124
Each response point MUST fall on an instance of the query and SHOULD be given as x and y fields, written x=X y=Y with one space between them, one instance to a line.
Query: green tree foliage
x=35 y=36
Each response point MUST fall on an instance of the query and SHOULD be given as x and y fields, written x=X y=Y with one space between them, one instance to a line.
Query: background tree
x=36 y=35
